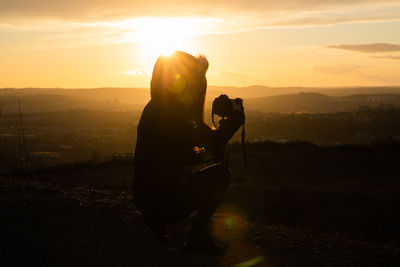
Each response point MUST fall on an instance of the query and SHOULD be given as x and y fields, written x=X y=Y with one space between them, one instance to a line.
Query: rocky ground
x=58 y=225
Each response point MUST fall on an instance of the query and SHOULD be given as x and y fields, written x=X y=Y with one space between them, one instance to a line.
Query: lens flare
x=229 y=226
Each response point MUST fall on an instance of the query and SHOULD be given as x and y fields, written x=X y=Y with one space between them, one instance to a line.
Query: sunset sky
x=99 y=43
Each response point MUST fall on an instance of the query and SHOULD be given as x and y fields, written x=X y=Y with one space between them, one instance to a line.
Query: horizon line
x=223 y=86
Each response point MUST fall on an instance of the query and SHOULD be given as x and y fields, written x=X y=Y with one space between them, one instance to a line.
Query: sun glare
x=162 y=36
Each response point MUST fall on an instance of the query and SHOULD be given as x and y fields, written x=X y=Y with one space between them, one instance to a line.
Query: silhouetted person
x=180 y=164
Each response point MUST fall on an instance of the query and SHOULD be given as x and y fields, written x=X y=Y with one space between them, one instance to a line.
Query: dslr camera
x=224 y=106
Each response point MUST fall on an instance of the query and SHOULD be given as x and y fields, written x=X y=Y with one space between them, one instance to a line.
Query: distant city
x=51 y=126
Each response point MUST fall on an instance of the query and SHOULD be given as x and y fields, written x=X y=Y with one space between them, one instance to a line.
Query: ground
x=47 y=224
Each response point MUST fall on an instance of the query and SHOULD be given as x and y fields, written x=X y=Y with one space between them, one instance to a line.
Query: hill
x=260 y=98
x=316 y=102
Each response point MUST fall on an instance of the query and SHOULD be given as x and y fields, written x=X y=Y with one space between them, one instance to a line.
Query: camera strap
x=244 y=146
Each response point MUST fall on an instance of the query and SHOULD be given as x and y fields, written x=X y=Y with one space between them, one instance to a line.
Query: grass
x=346 y=190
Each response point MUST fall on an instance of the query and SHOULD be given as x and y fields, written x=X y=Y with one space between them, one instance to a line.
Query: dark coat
x=171 y=149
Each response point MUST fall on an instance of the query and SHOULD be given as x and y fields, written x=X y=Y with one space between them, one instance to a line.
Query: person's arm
x=227 y=127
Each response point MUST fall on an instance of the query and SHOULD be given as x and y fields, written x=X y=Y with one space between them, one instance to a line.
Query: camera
x=224 y=106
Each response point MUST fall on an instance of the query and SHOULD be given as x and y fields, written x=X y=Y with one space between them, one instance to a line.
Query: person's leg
x=149 y=201
x=163 y=204
x=207 y=191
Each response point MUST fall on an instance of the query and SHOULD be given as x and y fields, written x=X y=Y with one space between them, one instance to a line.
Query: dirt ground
x=55 y=225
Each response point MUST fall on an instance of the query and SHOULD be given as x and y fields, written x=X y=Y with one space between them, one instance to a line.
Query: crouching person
x=180 y=165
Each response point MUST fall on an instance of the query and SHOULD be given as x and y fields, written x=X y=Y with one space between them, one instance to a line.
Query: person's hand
x=237 y=105
x=236 y=118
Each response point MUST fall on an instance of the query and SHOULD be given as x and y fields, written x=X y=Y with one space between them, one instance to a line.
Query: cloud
x=339 y=69
x=48 y=24
x=41 y=35
x=388 y=57
x=286 y=12
x=368 y=48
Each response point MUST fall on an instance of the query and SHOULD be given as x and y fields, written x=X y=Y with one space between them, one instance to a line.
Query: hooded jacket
x=172 y=138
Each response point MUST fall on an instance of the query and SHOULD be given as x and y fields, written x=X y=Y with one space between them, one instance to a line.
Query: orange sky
x=115 y=43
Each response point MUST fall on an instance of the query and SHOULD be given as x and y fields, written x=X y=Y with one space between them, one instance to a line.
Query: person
x=180 y=163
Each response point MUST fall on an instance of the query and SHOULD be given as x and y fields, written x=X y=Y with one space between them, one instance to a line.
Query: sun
x=162 y=36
